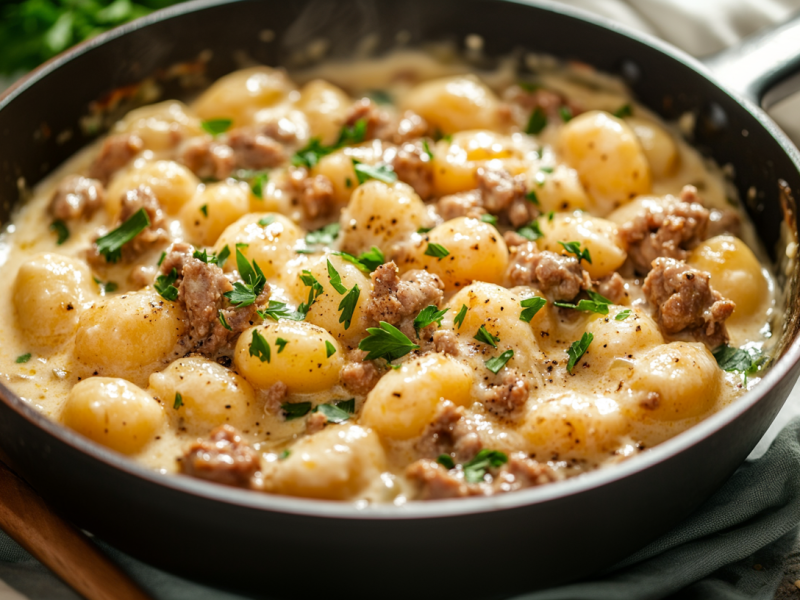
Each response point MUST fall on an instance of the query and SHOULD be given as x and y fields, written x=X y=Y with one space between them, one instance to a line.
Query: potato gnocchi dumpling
x=403 y=282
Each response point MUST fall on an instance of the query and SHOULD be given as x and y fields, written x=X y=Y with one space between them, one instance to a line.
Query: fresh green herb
x=23 y=358
x=223 y=256
x=498 y=362
x=372 y=258
x=348 y=182
x=259 y=347
x=61 y=231
x=490 y=219
x=566 y=113
x=475 y=470
x=336 y=279
x=486 y=337
x=349 y=136
x=531 y=231
x=348 y=306
x=446 y=461
x=537 y=122
x=575 y=248
x=598 y=304
x=266 y=221
x=622 y=315
x=281 y=344
x=531 y=306
x=427 y=316
x=324 y=236
x=204 y=210
x=223 y=321
x=215 y=127
x=162 y=257
x=245 y=293
x=295 y=410
x=311 y=154
x=626 y=110
x=316 y=290
x=459 y=320
x=347 y=405
x=532 y=197
x=330 y=349
x=257 y=186
x=364 y=172
x=424 y=230
x=105 y=287
x=178 y=401
x=547 y=170
x=550 y=215
x=386 y=342
x=380 y=97
x=278 y=310
x=110 y=245
x=528 y=86
x=284 y=454
x=577 y=349
x=427 y=149
x=333 y=413
x=164 y=286
x=739 y=360
x=436 y=250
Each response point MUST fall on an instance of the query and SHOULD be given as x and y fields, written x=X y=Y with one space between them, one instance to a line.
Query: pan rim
x=248 y=499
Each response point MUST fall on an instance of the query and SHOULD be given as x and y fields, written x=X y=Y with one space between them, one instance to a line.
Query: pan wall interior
x=543 y=544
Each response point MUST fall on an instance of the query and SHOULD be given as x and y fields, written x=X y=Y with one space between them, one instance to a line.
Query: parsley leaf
x=348 y=405
x=281 y=344
x=436 y=250
x=245 y=294
x=732 y=359
x=575 y=248
x=336 y=279
x=164 y=286
x=223 y=321
x=531 y=306
x=498 y=362
x=330 y=349
x=349 y=136
x=372 y=258
x=537 y=122
x=106 y=287
x=475 y=470
x=622 y=315
x=311 y=154
x=427 y=149
x=598 y=304
x=566 y=113
x=278 y=310
x=266 y=221
x=429 y=314
x=316 y=290
x=424 y=230
x=577 y=349
x=284 y=454
x=178 y=401
x=162 y=257
x=446 y=461
x=23 y=358
x=259 y=347
x=348 y=306
x=257 y=187
x=490 y=219
x=486 y=337
x=626 y=110
x=462 y=312
x=216 y=126
x=223 y=256
x=323 y=236
x=532 y=197
x=295 y=410
x=382 y=172
x=110 y=245
x=61 y=231
x=334 y=413
x=531 y=231
x=204 y=210
x=388 y=342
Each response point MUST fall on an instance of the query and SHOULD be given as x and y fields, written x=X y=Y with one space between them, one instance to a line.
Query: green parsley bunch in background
x=32 y=31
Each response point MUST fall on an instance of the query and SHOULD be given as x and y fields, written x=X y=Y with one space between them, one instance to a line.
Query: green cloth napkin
x=741 y=544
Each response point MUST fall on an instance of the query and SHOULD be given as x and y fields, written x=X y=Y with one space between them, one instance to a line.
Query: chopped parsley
x=110 y=245
x=162 y=257
x=223 y=321
x=537 y=122
x=178 y=401
x=427 y=149
x=348 y=306
x=424 y=230
x=215 y=127
x=323 y=236
x=372 y=258
x=622 y=315
x=278 y=310
x=598 y=304
x=330 y=349
x=380 y=97
x=245 y=293
x=23 y=358
x=462 y=312
x=214 y=259
x=259 y=347
x=281 y=344
x=626 y=110
x=382 y=172
x=498 y=362
x=530 y=307
x=427 y=316
x=531 y=231
x=578 y=349
x=311 y=154
x=387 y=342
x=335 y=414
x=532 y=197
x=165 y=287
x=61 y=231
x=284 y=454
x=486 y=337
x=575 y=248
x=204 y=210
x=336 y=279
x=266 y=221
x=446 y=461
x=106 y=287
x=316 y=290
x=223 y=256
x=566 y=113
x=348 y=405
x=490 y=219
x=475 y=470
x=739 y=360
x=436 y=250
x=295 y=410
x=551 y=215
x=257 y=186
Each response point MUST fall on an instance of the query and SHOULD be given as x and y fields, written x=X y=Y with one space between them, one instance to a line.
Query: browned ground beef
x=117 y=151
x=223 y=458
x=76 y=197
x=557 y=275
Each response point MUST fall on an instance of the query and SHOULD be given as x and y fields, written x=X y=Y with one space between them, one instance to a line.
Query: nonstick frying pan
x=477 y=547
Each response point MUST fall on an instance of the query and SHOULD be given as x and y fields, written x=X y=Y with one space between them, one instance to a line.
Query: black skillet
x=280 y=546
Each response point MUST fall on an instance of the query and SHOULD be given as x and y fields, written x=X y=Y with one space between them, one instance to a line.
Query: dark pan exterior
x=280 y=547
